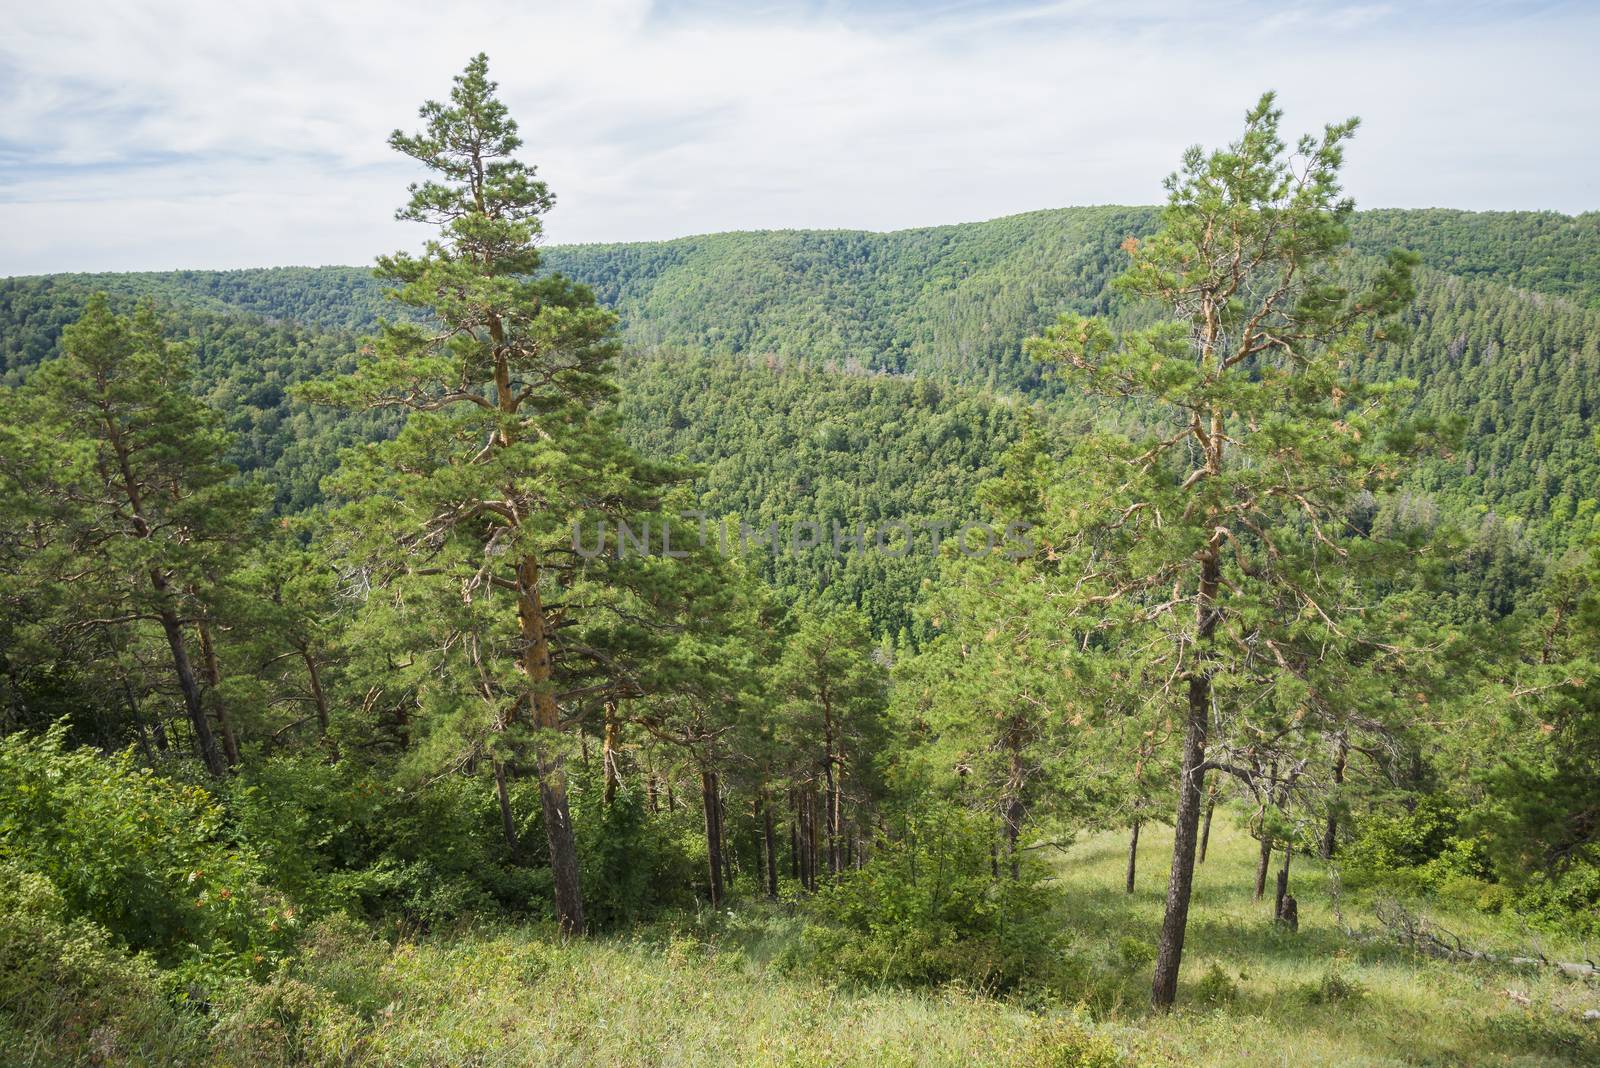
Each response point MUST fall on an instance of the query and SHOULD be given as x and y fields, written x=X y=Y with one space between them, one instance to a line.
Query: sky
x=156 y=135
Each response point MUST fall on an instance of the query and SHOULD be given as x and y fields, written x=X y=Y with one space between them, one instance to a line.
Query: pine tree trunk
x=1191 y=784
x=1283 y=879
x=1263 y=862
x=836 y=819
x=713 y=812
x=208 y=656
x=538 y=669
x=318 y=696
x=508 y=820
x=1013 y=822
x=830 y=797
x=802 y=837
x=770 y=845
x=563 y=844
x=144 y=741
x=1133 y=856
x=727 y=851
x=813 y=847
x=157 y=731
x=1014 y=809
x=1330 y=833
x=205 y=742
x=609 y=755
x=1205 y=829
x=808 y=839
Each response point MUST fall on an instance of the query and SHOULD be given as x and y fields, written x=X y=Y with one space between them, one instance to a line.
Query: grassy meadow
x=1318 y=996
x=713 y=989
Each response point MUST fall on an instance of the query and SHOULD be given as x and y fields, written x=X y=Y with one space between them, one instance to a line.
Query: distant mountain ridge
x=1505 y=331
x=1545 y=252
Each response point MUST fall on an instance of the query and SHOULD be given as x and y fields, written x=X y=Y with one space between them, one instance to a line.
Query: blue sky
x=167 y=134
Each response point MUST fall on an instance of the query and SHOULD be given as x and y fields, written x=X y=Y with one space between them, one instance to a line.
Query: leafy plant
x=1216 y=987
x=66 y=985
x=1334 y=988
x=141 y=856
x=929 y=909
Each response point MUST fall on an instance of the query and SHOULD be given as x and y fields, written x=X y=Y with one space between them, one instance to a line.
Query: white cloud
x=189 y=134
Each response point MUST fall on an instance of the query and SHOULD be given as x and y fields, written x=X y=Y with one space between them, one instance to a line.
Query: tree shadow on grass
x=1226 y=925
x=1099 y=915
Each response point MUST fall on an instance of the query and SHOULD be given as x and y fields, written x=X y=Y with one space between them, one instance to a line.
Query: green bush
x=67 y=987
x=1428 y=852
x=138 y=855
x=335 y=839
x=1216 y=988
x=633 y=866
x=927 y=909
x=1568 y=902
x=1420 y=851
x=1471 y=892
x=313 y=826
x=288 y=1021
x=1334 y=988
x=1065 y=1044
x=1134 y=953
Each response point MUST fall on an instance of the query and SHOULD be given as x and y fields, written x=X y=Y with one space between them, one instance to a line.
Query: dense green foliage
x=953 y=303
x=245 y=367
x=926 y=910
x=858 y=451
x=142 y=857
x=1544 y=252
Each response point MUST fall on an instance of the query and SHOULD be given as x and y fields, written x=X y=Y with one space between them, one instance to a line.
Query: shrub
x=633 y=867
x=927 y=909
x=335 y=839
x=288 y=1021
x=1420 y=851
x=66 y=986
x=1065 y=1044
x=1473 y=893
x=343 y=956
x=314 y=827
x=1568 y=902
x=1216 y=988
x=1134 y=953
x=138 y=855
x=1334 y=988
x=1428 y=852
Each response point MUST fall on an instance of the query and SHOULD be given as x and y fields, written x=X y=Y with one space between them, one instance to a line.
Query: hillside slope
x=1512 y=342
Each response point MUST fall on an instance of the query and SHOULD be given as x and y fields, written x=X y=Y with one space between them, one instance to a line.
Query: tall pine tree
x=1219 y=529
x=116 y=473
x=467 y=519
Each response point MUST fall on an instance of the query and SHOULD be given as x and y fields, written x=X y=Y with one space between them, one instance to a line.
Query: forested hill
x=1541 y=251
x=903 y=300
x=1507 y=330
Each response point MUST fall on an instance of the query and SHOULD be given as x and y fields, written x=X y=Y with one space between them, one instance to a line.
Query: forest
x=325 y=739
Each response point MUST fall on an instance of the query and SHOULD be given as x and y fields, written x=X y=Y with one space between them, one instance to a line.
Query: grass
x=707 y=993
x=513 y=997
x=1319 y=997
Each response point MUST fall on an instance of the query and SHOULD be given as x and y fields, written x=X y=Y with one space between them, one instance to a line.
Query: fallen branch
x=1423 y=935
